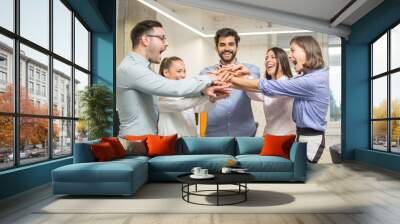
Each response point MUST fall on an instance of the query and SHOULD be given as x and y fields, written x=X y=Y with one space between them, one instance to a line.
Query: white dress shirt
x=278 y=113
x=177 y=114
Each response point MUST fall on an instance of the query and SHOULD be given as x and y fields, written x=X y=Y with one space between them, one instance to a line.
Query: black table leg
x=217 y=194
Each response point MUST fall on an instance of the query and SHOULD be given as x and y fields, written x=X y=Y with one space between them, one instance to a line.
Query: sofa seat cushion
x=185 y=163
x=257 y=163
x=113 y=171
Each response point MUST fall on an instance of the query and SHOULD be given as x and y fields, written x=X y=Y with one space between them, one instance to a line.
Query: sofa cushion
x=161 y=145
x=206 y=145
x=249 y=145
x=116 y=145
x=103 y=152
x=185 y=163
x=112 y=171
x=277 y=145
x=257 y=163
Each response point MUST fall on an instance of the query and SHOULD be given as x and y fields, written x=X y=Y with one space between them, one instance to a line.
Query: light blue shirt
x=138 y=88
x=232 y=116
x=311 y=97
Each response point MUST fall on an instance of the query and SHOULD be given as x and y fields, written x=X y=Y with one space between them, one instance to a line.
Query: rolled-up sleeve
x=298 y=88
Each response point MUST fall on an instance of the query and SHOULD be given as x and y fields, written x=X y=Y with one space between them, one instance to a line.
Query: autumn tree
x=33 y=131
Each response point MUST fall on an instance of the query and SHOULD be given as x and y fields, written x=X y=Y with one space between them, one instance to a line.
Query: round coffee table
x=238 y=179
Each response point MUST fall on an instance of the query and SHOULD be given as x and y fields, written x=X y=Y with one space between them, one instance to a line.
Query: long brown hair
x=281 y=60
x=166 y=64
x=314 y=59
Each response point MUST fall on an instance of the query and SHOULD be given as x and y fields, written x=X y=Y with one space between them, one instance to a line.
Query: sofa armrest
x=83 y=152
x=298 y=154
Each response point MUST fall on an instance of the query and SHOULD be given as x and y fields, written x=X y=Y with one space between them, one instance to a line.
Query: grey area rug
x=166 y=198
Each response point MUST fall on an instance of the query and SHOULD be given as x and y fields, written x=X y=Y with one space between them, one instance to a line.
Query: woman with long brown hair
x=277 y=110
x=310 y=91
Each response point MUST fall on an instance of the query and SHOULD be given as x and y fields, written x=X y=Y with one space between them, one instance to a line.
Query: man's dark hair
x=142 y=28
x=226 y=32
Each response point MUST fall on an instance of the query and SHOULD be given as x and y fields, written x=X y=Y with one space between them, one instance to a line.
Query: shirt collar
x=139 y=58
x=219 y=65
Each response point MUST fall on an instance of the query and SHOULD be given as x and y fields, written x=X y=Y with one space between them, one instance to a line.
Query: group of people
x=165 y=103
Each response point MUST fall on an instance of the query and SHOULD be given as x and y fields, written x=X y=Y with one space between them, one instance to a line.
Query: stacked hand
x=225 y=74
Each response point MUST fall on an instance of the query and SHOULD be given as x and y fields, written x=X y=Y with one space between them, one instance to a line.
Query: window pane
x=379 y=135
x=379 y=97
x=62 y=29
x=62 y=133
x=395 y=136
x=395 y=95
x=379 y=55
x=7 y=14
x=81 y=45
x=34 y=80
x=395 y=47
x=33 y=139
x=6 y=74
x=81 y=81
x=6 y=142
x=35 y=21
x=81 y=131
x=62 y=89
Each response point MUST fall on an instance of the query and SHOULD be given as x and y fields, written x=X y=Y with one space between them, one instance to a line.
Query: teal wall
x=356 y=84
x=99 y=16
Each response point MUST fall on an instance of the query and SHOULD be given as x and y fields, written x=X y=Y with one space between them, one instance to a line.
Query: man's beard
x=221 y=56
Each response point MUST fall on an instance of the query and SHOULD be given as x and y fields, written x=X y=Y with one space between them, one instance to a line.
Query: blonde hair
x=314 y=59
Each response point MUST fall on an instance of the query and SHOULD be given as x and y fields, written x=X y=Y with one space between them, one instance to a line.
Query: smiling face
x=176 y=70
x=271 y=64
x=227 y=49
x=297 y=56
x=156 y=44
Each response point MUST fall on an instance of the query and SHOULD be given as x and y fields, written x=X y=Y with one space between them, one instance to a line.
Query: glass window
x=379 y=97
x=395 y=136
x=34 y=144
x=395 y=95
x=40 y=62
x=81 y=81
x=35 y=21
x=6 y=74
x=62 y=138
x=30 y=87
x=7 y=14
x=379 y=56
x=62 y=29
x=62 y=72
x=81 y=131
x=6 y=142
x=379 y=135
x=395 y=47
x=81 y=45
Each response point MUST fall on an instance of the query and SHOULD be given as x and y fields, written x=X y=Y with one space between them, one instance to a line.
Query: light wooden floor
x=377 y=188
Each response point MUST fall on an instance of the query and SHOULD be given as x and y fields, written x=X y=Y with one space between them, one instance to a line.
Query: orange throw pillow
x=277 y=145
x=161 y=145
x=103 y=152
x=137 y=137
x=116 y=145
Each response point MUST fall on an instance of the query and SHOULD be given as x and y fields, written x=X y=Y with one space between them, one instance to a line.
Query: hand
x=216 y=91
x=239 y=70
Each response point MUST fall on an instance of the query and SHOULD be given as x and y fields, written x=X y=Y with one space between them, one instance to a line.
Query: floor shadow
x=255 y=198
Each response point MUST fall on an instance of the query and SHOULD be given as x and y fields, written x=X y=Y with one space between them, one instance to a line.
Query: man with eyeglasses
x=138 y=87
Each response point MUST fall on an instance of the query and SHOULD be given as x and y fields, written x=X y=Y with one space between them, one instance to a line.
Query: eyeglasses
x=163 y=38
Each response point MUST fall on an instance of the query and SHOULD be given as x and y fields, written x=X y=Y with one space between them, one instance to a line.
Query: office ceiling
x=333 y=17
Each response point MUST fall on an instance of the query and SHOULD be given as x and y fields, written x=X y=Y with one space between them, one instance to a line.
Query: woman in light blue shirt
x=310 y=90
